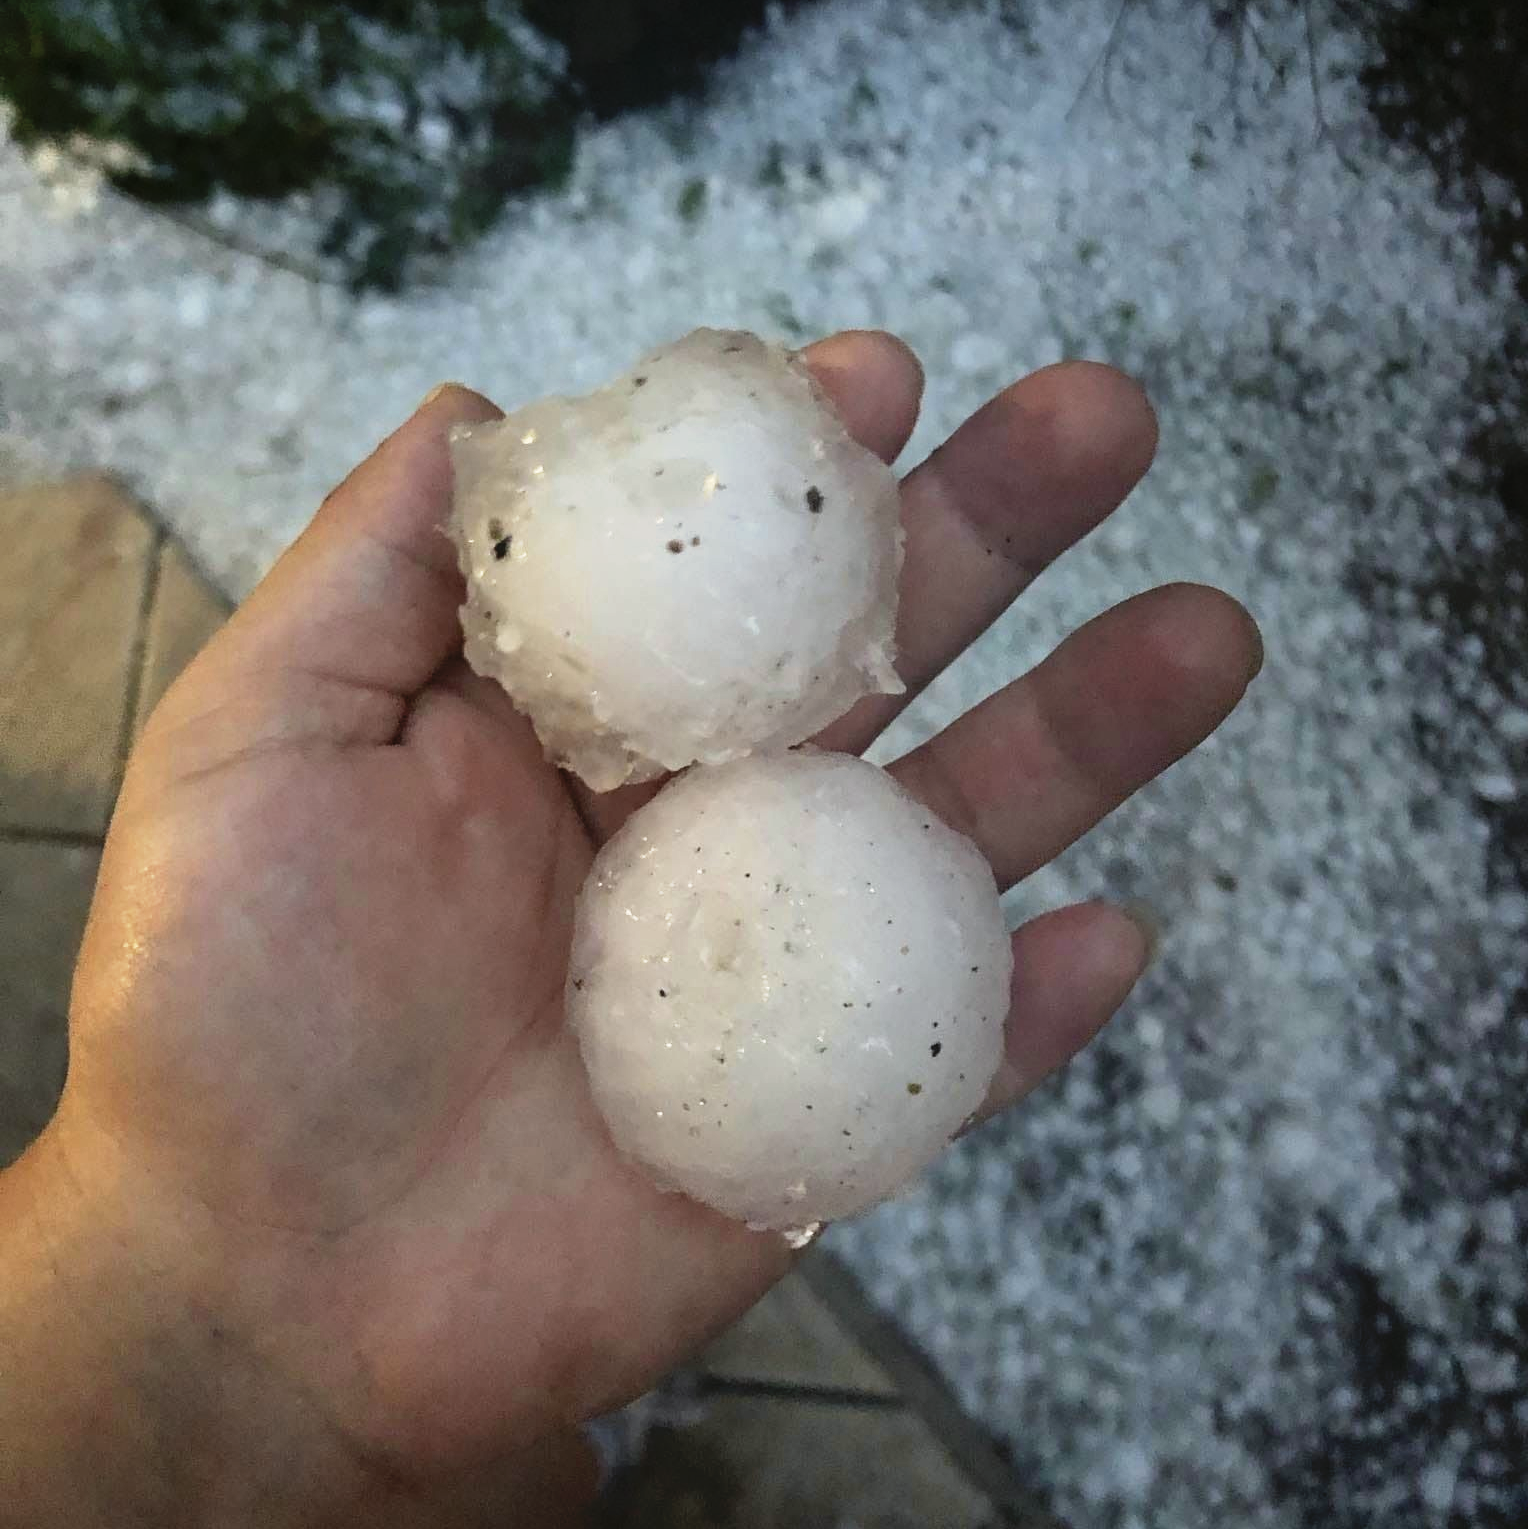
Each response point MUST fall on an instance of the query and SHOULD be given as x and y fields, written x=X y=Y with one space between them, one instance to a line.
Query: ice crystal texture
x=789 y=981
x=688 y=564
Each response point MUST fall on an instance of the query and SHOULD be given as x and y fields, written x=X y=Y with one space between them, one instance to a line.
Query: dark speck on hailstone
x=676 y=545
x=814 y=499
x=501 y=548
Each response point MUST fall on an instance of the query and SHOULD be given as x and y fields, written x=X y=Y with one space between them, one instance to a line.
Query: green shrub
x=408 y=124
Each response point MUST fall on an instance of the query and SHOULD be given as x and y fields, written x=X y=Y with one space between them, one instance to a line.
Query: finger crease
x=951 y=503
x=942 y=787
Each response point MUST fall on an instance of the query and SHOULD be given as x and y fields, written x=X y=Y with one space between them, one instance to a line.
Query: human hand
x=323 y=1120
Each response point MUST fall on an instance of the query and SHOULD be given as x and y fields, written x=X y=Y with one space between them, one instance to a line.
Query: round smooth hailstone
x=692 y=563
x=789 y=981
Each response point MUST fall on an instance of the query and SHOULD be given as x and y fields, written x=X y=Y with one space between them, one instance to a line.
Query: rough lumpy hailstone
x=789 y=981
x=692 y=563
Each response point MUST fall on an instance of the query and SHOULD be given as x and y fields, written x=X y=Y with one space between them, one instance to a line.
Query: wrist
x=127 y=1394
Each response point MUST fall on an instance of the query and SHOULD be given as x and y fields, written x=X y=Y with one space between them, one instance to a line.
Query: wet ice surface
x=693 y=562
x=1257 y=1259
x=789 y=981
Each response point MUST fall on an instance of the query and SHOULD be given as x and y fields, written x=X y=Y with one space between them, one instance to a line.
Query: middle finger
x=1024 y=478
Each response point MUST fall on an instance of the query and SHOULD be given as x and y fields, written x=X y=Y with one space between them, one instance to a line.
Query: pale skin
x=326 y=1229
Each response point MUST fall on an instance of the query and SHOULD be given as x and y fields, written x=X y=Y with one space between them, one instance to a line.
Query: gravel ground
x=1258 y=1257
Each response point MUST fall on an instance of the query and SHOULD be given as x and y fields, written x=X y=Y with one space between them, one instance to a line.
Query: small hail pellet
x=690 y=564
x=789 y=982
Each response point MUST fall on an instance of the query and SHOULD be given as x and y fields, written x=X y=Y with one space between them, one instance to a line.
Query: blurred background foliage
x=404 y=125
x=1450 y=80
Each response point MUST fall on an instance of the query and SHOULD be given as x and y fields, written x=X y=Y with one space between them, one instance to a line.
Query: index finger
x=1024 y=478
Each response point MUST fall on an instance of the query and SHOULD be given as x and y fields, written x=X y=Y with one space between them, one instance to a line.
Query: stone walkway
x=809 y=1414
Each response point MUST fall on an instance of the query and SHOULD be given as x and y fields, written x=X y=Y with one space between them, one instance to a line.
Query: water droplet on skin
x=798 y=1237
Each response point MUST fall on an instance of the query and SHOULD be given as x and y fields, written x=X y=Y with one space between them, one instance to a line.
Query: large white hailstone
x=693 y=562
x=789 y=981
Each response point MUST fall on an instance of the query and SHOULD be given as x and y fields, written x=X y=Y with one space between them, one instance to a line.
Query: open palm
x=318 y=1041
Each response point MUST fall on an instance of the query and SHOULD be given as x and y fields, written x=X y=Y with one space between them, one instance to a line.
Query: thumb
x=353 y=619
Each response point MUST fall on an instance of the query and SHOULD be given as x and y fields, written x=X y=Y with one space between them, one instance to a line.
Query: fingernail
x=435 y=392
x=1257 y=657
x=1144 y=917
